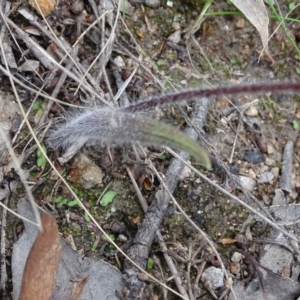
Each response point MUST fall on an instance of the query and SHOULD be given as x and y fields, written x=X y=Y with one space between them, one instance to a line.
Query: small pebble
x=119 y=62
x=265 y=177
x=175 y=37
x=252 y=174
x=170 y=3
x=236 y=257
x=247 y=183
x=254 y=157
x=186 y=172
x=279 y=198
x=176 y=26
x=270 y=162
x=270 y=149
x=251 y=111
x=235 y=268
x=240 y=23
x=215 y=276
x=122 y=238
x=267 y=200
x=275 y=171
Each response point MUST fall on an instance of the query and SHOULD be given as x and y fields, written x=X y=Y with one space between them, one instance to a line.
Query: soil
x=228 y=52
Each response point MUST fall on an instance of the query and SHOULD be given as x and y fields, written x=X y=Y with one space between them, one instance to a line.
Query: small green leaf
x=58 y=199
x=94 y=246
x=108 y=197
x=72 y=203
x=39 y=113
x=150 y=263
x=87 y=217
x=233 y=61
x=41 y=161
x=164 y=156
x=109 y=237
x=161 y=62
x=295 y=125
x=61 y=201
x=39 y=152
x=292 y=5
x=36 y=105
x=298 y=70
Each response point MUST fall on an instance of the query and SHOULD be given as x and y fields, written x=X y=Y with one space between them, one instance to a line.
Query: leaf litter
x=207 y=213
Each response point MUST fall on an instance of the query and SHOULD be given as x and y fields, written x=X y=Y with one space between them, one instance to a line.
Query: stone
x=215 y=276
x=236 y=257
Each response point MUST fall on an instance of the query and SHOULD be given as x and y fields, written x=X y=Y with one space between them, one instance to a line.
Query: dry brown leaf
x=40 y=271
x=228 y=241
x=77 y=290
x=46 y=6
x=256 y=13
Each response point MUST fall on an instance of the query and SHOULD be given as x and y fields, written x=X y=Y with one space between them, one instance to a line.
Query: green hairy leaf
x=102 y=126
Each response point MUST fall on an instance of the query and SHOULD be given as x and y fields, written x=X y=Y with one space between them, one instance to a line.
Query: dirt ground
x=247 y=141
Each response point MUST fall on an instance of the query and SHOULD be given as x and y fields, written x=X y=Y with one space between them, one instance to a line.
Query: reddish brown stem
x=235 y=89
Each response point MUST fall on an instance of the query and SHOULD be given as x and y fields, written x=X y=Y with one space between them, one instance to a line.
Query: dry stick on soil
x=162 y=243
x=217 y=162
x=88 y=76
x=47 y=31
x=122 y=95
x=100 y=66
x=274 y=225
x=139 y=252
x=239 y=126
x=189 y=220
x=3 y=273
x=57 y=88
x=80 y=69
x=106 y=51
x=287 y=168
x=48 y=61
x=124 y=86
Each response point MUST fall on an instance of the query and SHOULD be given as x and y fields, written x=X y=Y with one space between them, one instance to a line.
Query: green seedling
x=295 y=125
x=86 y=217
x=60 y=201
x=41 y=159
x=109 y=237
x=150 y=263
x=292 y=5
x=72 y=203
x=36 y=105
x=108 y=197
x=95 y=244
x=233 y=61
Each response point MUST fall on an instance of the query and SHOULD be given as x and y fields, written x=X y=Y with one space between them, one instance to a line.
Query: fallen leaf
x=77 y=290
x=257 y=15
x=39 y=277
x=228 y=241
